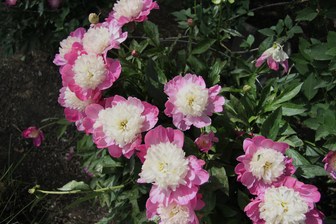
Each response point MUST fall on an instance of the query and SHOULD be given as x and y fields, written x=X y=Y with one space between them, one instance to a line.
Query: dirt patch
x=28 y=94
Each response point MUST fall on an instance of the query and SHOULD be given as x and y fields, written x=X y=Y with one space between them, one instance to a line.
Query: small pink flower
x=263 y=164
x=54 y=4
x=289 y=201
x=118 y=125
x=190 y=102
x=10 y=2
x=34 y=133
x=175 y=213
x=125 y=11
x=330 y=163
x=274 y=56
x=175 y=178
x=205 y=141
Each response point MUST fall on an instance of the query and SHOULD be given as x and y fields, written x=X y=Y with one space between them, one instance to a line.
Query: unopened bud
x=190 y=22
x=246 y=88
x=134 y=53
x=93 y=18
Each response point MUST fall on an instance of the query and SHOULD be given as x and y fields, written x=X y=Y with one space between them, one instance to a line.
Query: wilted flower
x=34 y=133
x=330 y=163
x=263 y=164
x=274 y=56
x=118 y=126
x=290 y=201
x=204 y=141
x=190 y=102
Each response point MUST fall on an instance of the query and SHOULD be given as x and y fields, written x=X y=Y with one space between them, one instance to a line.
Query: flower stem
x=33 y=190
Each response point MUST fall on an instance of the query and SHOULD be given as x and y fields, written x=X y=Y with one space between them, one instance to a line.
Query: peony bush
x=186 y=130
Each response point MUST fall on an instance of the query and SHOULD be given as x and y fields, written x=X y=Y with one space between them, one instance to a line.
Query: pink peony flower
x=90 y=73
x=125 y=11
x=263 y=164
x=175 y=178
x=118 y=126
x=204 y=141
x=34 y=133
x=190 y=102
x=74 y=107
x=102 y=37
x=67 y=46
x=274 y=56
x=289 y=201
x=330 y=163
x=175 y=213
x=10 y=2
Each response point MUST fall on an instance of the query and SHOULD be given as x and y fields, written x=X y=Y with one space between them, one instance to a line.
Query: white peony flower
x=66 y=45
x=71 y=101
x=174 y=214
x=89 y=71
x=191 y=99
x=165 y=166
x=127 y=8
x=267 y=165
x=122 y=122
x=283 y=205
x=96 y=39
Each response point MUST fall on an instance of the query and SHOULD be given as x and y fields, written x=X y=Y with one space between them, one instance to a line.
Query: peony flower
x=290 y=201
x=263 y=164
x=102 y=37
x=10 y=2
x=118 y=126
x=330 y=163
x=90 y=73
x=74 y=107
x=204 y=141
x=34 y=133
x=190 y=102
x=125 y=11
x=174 y=213
x=66 y=46
x=175 y=178
x=275 y=56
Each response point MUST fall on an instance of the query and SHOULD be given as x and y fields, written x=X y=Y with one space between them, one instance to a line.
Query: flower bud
x=54 y=4
x=134 y=53
x=93 y=18
x=190 y=22
x=10 y=2
x=246 y=88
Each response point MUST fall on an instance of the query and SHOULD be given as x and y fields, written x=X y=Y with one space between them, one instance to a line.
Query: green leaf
x=270 y=127
x=307 y=14
x=216 y=69
x=290 y=109
x=203 y=46
x=243 y=200
x=196 y=64
x=267 y=32
x=318 y=52
x=308 y=86
x=298 y=159
x=152 y=32
x=311 y=171
x=74 y=185
x=222 y=179
x=288 y=22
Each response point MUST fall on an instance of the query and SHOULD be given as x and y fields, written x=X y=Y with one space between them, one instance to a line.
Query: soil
x=29 y=90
